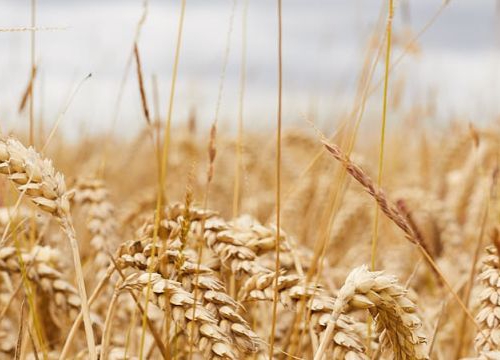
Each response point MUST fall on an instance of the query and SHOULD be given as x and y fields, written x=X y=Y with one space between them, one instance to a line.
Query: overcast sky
x=324 y=44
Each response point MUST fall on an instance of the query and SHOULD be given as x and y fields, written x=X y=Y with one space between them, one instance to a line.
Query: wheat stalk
x=44 y=186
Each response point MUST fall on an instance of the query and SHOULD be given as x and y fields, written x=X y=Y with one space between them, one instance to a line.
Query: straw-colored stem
x=382 y=130
x=68 y=229
x=278 y=184
x=106 y=335
x=79 y=318
x=30 y=296
x=163 y=167
x=328 y=334
x=32 y=59
x=472 y=275
x=239 y=157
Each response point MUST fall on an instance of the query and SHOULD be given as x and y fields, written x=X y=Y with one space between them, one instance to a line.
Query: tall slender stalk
x=382 y=130
x=243 y=76
x=212 y=152
x=278 y=181
x=33 y=70
x=163 y=172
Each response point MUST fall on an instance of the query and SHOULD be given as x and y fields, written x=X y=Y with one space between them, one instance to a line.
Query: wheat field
x=296 y=242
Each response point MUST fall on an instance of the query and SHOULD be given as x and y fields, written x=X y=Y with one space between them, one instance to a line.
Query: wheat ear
x=45 y=276
x=239 y=243
x=391 y=308
x=173 y=262
x=172 y=298
x=93 y=197
x=489 y=314
x=43 y=185
x=293 y=289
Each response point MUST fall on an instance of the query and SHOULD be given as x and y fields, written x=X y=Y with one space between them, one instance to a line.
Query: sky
x=324 y=43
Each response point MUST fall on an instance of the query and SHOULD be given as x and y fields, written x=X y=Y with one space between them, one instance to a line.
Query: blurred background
x=454 y=68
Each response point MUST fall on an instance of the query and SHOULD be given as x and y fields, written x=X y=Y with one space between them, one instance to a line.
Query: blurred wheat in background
x=241 y=179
